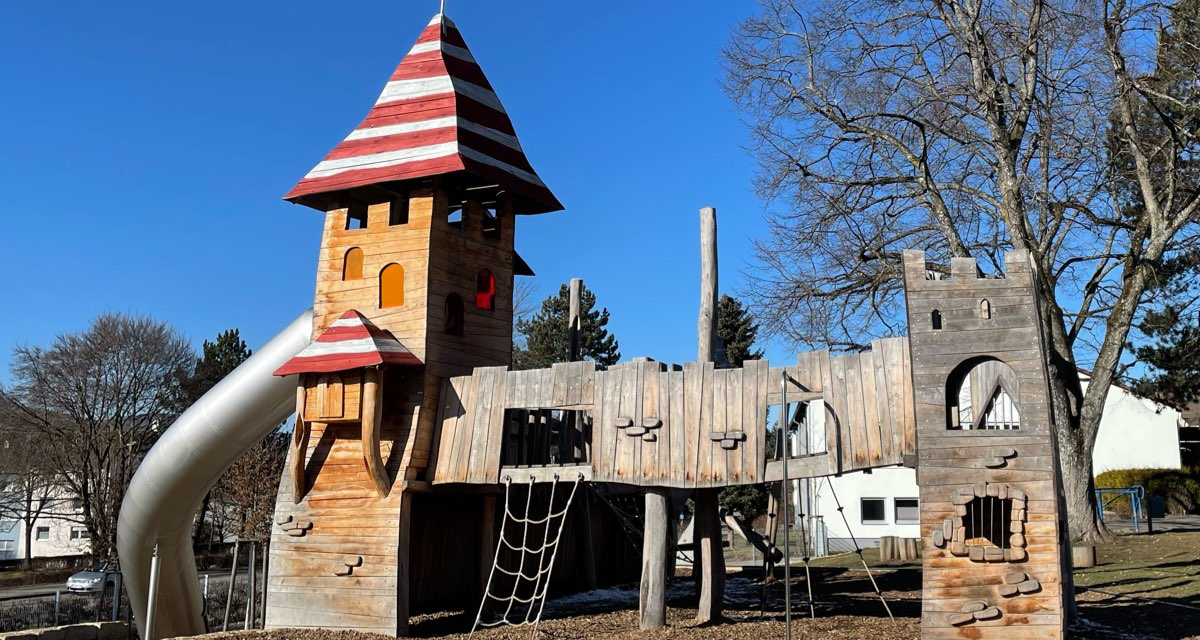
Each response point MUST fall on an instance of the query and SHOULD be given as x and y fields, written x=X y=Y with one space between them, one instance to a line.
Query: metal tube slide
x=165 y=493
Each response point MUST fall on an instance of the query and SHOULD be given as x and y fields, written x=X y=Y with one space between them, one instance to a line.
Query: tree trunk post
x=583 y=517
x=707 y=528
x=653 y=597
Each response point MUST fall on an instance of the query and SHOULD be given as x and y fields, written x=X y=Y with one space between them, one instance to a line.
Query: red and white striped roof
x=437 y=114
x=351 y=342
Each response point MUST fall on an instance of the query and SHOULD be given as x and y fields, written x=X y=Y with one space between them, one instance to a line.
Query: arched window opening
x=985 y=309
x=935 y=319
x=982 y=395
x=391 y=286
x=485 y=290
x=352 y=264
x=452 y=323
x=330 y=395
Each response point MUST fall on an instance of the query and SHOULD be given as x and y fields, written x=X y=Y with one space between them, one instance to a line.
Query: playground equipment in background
x=408 y=421
x=1137 y=503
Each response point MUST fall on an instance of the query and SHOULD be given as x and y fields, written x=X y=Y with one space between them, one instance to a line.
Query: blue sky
x=145 y=148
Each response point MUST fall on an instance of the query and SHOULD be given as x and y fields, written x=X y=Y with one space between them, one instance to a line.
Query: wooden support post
x=404 y=563
x=772 y=533
x=707 y=527
x=487 y=540
x=300 y=436
x=574 y=424
x=653 y=602
x=575 y=324
x=372 y=410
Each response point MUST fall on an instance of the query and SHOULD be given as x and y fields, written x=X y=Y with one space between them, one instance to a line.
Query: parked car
x=93 y=577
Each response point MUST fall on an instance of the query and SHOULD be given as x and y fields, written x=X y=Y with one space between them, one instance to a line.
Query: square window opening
x=874 y=511
x=356 y=217
x=908 y=511
x=43 y=533
x=398 y=211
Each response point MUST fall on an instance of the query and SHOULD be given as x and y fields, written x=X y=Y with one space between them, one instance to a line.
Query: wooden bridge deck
x=650 y=424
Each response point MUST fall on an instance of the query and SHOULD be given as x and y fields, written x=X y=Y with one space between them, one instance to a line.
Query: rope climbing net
x=524 y=603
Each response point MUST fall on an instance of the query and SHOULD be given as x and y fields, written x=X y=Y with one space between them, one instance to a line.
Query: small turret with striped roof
x=437 y=115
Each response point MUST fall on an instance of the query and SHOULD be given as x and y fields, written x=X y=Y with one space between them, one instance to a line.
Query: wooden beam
x=706 y=526
x=652 y=604
x=300 y=436
x=372 y=410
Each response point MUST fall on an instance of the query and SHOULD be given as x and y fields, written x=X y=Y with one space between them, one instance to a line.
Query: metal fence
x=64 y=608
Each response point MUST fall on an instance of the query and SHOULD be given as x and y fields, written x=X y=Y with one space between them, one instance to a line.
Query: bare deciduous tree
x=967 y=128
x=28 y=489
x=245 y=495
x=98 y=400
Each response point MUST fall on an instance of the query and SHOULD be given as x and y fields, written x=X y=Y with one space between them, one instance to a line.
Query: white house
x=1134 y=433
x=56 y=532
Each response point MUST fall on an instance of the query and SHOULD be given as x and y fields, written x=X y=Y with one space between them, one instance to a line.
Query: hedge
x=1180 y=488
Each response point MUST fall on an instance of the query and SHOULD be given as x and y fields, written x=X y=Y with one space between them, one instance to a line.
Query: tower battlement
x=965 y=273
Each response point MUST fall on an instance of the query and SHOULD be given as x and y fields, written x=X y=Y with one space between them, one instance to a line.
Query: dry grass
x=1162 y=570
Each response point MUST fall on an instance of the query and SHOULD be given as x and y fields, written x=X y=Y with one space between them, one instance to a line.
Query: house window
x=935 y=320
x=80 y=533
x=874 y=511
x=453 y=321
x=356 y=217
x=352 y=265
x=908 y=511
x=485 y=290
x=7 y=545
x=398 y=211
x=391 y=286
x=43 y=533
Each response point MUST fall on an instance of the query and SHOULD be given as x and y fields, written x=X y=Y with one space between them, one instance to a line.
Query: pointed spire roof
x=351 y=342
x=438 y=114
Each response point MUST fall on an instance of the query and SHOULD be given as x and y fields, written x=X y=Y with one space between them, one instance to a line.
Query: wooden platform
x=646 y=423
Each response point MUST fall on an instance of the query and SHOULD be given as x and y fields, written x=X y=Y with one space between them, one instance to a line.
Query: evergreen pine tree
x=546 y=333
x=737 y=330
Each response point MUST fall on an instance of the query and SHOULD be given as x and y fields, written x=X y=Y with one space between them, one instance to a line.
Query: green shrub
x=1179 y=488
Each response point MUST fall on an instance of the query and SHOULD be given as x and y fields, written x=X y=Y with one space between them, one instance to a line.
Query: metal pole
x=787 y=540
x=266 y=565
x=57 y=600
x=152 y=598
x=232 y=578
x=251 y=585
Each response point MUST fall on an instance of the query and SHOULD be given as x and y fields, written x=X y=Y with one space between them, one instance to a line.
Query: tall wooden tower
x=414 y=284
x=991 y=509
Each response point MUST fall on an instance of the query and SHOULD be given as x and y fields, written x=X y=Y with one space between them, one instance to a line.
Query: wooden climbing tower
x=992 y=518
x=414 y=285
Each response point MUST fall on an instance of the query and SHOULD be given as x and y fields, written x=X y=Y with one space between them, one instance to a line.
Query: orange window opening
x=391 y=286
x=352 y=264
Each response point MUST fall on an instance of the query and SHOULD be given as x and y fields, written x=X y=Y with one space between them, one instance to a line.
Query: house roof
x=351 y=342
x=437 y=115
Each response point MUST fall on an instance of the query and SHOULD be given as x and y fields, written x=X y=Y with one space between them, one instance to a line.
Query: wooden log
x=574 y=324
x=652 y=604
x=707 y=531
x=707 y=525
x=887 y=549
x=300 y=436
x=1083 y=556
x=372 y=410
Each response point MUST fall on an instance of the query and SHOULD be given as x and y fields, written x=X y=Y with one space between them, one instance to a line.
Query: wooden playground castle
x=412 y=435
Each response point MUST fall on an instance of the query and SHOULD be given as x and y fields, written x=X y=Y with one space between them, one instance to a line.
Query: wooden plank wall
x=957 y=465
x=340 y=519
x=695 y=426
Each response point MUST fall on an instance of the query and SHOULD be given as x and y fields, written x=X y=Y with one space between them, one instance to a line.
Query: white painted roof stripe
x=348 y=347
x=444 y=47
x=383 y=159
